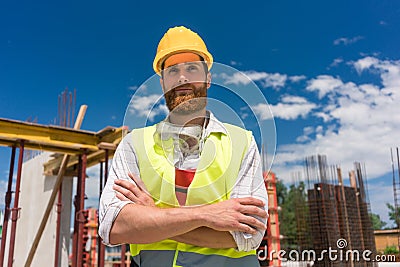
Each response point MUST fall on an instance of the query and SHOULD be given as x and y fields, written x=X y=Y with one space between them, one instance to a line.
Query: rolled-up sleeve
x=250 y=182
x=124 y=162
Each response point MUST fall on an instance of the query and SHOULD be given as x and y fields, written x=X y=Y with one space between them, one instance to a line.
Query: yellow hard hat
x=180 y=39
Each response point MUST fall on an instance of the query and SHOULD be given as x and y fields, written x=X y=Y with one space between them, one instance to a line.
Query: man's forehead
x=181 y=58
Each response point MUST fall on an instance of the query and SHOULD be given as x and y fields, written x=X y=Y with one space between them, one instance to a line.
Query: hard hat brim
x=162 y=56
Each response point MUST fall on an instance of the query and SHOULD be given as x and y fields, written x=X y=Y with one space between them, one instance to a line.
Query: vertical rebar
x=69 y=110
x=73 y=104
x=59 y=110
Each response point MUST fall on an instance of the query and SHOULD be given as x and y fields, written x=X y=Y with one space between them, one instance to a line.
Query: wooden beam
x=52 y=166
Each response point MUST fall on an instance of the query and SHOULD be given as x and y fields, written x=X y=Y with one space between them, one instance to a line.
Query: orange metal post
x=58 y=228
x=81 y=219
x=7 y=207
x=15 y=209
x=273 y=234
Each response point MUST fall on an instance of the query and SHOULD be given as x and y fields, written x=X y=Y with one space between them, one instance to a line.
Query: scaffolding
x=338 y=215
x=76 y=151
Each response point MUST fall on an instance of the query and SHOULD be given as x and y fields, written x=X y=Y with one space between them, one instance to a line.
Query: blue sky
x=330 y=70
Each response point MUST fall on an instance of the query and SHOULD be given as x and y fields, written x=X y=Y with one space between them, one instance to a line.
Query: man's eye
x=192 y=68
x=172 y=71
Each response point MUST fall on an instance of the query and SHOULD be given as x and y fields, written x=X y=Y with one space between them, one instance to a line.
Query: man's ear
x=208 y=80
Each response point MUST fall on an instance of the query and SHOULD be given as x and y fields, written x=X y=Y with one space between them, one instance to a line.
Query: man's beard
x=187 y=103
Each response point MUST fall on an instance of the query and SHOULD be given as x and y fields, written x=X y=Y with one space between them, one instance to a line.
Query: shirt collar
x=214 y=125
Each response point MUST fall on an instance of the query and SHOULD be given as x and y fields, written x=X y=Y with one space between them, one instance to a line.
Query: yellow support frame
x=61 y=140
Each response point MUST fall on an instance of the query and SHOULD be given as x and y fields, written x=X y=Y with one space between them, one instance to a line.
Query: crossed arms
x=206 y=226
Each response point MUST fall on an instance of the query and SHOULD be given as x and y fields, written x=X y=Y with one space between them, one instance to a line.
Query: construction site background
x=51 y=160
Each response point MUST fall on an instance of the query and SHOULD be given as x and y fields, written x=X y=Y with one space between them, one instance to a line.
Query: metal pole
x=102 y=247
x=99 y=243
x=58 y=227
x=76 y=206
x=123 y=255
x=7 y=207
x=106 y=166
x=15 y=209
x=81 y=219
x=101 y=180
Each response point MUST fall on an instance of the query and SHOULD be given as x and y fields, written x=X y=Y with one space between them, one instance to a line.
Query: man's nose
x=182 y=78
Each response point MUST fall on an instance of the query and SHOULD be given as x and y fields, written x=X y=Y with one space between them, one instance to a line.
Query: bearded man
x=187 y=191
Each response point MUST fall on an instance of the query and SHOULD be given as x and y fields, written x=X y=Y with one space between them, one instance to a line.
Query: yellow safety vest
x=214 y=179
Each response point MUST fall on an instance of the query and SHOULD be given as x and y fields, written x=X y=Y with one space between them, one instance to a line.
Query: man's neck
x=195 y=118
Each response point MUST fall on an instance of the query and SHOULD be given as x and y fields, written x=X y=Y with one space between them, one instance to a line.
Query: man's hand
x=136 y=193
x=235 y=215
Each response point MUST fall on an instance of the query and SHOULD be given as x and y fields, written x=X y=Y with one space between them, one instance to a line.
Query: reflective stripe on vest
x=214 y=179
x=157 y=258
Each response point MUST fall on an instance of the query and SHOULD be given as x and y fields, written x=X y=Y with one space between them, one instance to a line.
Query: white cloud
x=325 y=117
x=347 y=41
x=362 y=121
x=92 y=186
x=291 y=107
x=389 y=72
x=145 y=106
x=143 y=87
x=323 y=84
x=294 y=99
x=3 y=190
x=336 y=62
x=262 y=111
x=381 y=194
x=235 y=63
x=307 y=131
x=365 y=63
x=274 y=80
x=297 y=78
x=237 y=78
x=288 y=111
x=285 y=172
